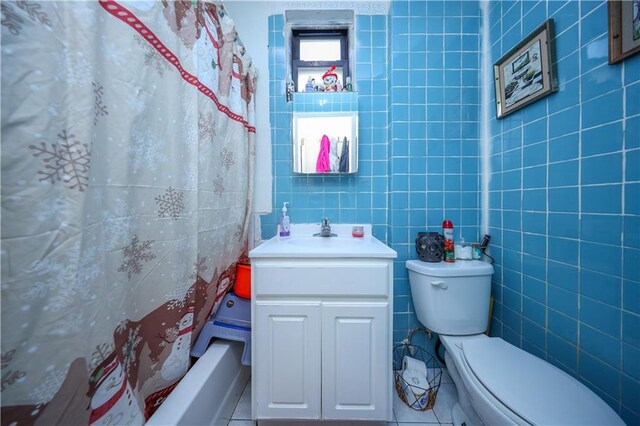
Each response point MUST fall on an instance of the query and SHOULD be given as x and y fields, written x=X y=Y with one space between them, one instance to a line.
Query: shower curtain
x=127 y=161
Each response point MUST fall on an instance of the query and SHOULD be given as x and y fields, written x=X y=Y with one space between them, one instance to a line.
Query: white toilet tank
x=451 y=298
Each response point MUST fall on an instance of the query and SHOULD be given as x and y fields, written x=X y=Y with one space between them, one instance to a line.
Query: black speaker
x=429 y=246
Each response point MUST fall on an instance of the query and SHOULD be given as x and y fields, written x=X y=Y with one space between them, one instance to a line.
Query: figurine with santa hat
x=330 y=80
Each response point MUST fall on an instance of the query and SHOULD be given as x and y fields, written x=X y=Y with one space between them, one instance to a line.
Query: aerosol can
x=449 y=250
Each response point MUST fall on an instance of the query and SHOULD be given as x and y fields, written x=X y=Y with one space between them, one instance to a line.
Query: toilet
x=497 y=383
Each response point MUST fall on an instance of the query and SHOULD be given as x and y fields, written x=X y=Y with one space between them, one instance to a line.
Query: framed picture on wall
x=527 y=72
x=624 y=29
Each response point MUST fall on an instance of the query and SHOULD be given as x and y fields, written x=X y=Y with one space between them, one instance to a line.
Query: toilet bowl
x=497 y=383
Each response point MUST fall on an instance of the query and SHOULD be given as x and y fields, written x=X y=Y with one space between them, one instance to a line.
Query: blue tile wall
x=418 y=100
x=325 y=102
x=434 y=106
x=564 y=185
x=359 y=198
x=564 y=205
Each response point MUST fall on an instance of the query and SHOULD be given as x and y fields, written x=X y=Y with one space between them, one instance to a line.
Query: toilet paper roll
x=416 y=388
x=463 y=252
x=409 y=363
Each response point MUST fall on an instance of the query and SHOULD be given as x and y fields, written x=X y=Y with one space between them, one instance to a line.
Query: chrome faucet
x=325 y=228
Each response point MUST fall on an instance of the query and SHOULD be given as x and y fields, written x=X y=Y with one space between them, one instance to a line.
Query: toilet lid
x=532 y=388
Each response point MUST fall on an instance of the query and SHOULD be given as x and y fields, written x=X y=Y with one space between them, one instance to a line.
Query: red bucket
x=243 y=281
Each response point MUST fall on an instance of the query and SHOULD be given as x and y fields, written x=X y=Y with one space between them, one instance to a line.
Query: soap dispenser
x=285 y=222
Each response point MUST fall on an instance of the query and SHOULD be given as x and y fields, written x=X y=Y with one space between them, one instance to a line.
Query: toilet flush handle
x=442 y=284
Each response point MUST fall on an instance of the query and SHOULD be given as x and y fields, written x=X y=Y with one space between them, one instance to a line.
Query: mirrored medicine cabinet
x=325 y=133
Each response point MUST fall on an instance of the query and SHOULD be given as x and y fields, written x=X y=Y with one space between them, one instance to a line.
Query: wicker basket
x=417 y=398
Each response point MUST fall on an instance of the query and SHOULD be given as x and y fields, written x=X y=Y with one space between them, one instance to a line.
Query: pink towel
x=323 y=165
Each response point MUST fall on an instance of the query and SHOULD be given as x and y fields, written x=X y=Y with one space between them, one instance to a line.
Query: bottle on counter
x=284 y=230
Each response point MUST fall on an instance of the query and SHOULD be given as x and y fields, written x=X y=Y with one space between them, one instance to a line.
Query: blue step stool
x=232 y=321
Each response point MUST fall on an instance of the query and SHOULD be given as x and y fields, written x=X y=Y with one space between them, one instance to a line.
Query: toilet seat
x=549 y=395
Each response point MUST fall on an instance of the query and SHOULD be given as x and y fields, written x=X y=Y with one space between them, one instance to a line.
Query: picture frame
x=526 y=73
x=624 y=29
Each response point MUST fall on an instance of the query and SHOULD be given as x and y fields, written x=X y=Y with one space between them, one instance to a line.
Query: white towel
x=334 y=160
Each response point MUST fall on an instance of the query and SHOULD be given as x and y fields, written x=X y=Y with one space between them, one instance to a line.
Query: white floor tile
x=405 y=414
x=243 y=409
x=447 y=397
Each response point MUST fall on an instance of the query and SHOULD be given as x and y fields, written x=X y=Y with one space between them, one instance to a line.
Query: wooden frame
x=624 y=30
x=527 y=72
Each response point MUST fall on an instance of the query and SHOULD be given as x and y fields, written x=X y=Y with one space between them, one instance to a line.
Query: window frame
x=329 y=33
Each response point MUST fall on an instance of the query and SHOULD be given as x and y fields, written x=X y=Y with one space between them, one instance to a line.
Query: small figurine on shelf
x=309 y=86
x=330 y=80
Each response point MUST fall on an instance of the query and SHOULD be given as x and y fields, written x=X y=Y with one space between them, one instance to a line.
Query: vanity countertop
x=302 y=244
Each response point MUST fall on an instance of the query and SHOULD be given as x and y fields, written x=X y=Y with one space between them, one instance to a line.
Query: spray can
x=449 y=250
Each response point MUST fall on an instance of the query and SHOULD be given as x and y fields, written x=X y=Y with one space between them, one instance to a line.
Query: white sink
x=340 y=244
x=302 y=243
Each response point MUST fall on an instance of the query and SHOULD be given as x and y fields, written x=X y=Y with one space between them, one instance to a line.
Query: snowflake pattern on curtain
x=115 y=154
x=227 y=158
x=171 y=203
x=67 y=160
x=12 y=18
x=99 y=108
x=135 y=254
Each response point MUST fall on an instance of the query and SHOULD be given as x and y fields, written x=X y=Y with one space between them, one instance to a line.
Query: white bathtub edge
x=209 y=392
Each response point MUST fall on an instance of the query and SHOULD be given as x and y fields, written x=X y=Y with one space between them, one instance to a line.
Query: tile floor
x=403 y=415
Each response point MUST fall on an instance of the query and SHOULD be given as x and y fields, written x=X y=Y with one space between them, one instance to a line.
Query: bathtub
x=209 y=392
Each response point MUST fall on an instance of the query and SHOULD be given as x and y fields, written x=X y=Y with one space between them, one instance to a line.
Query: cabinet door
x=287 y=360
x=356 y=361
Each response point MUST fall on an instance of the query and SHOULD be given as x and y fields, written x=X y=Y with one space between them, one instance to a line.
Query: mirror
x=325 y=133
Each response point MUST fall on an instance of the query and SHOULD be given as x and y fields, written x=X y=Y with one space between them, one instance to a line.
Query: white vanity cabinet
x=322 y=337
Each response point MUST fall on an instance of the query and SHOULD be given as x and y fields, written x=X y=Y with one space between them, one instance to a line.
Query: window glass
x=319 y=49
x=314 y=51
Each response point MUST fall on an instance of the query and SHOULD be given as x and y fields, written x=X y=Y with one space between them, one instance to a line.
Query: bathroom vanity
x=322 y=327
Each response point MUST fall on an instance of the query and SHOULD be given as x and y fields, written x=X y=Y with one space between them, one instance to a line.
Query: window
x=313 y=52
